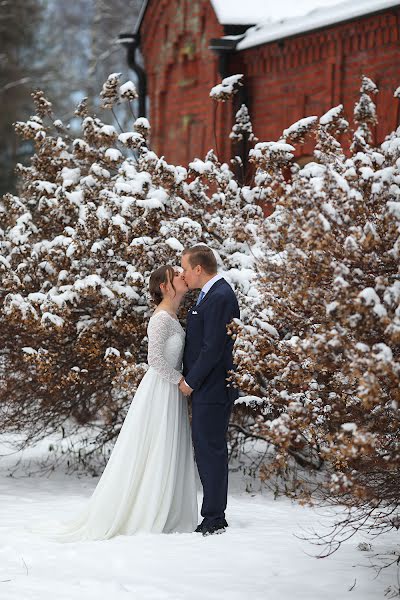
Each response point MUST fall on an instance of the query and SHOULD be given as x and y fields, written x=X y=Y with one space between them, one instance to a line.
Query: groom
x=206 y=361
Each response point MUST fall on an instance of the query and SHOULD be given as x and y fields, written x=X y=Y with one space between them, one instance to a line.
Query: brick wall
x=181 y=71
x=308 y=74
x=286 y=80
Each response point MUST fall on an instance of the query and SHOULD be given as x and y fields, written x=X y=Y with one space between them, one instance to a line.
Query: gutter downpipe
x=131 y=41
x=225 y=48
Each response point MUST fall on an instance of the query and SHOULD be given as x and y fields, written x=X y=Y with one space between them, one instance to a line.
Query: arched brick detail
x=181 y=72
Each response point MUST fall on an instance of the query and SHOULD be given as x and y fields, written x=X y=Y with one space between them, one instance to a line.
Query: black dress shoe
x=203 y=524
x=213 y=529
x=199 y=528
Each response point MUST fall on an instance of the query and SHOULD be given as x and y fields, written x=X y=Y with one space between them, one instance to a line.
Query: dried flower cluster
x=243 y=128
x=227 y=88
x=95 y=215
x=318 y=282
x=320 y=359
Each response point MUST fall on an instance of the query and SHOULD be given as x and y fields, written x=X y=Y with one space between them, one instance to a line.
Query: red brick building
x=293 y=68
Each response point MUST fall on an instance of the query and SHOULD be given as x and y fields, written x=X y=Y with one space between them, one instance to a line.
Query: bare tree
x=68 y=48
x=18 y=19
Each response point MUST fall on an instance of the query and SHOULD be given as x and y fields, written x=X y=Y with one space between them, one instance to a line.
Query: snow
x=70 y=176
x=44 y=246
x=299 y=125
x=304 y=16
x=371 y=298
x=266 y=149
x=331 y=307
x=112 y=352
x=33 y=124
x=329 y=116
x=237 y=12
x=391 y=146
x=18 y=303
x=142 y=122
x=119 y=221
x=392 y=294
x=99 y=171
x=260 y=556
x=93 y=281
x=113 y=154
x=383 y=352
x=201 y=167
x=241 y=278
x=66 y=295
x=108 y=130
x=366 y=173
x=75 y=197
x=102 y=213
x=151 y=203
x=329 y=210
x=250 y=400
x=325 y=223
x=227 y=86
x=54 y=319
x=4 y=261
x=394 y=209
x=29 y=350
x=268 y=328
x=362 y=347
x=45 y=186
x=131 y=137
x=124 y=290
x=128 y=90
x=174 y=244
x=350 y=427
x=186 y=223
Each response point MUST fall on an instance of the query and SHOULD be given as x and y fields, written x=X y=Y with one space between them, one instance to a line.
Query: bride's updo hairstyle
x=164 y=274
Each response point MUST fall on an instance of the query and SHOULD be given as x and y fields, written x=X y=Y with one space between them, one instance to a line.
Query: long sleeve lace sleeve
x=160 y=328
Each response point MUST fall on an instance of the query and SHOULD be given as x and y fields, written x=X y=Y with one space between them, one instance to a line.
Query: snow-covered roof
x=318 y=18
x=275 y=19
x=250 y=12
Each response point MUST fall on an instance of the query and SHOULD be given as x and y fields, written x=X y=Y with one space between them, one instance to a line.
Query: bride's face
x=179 y=282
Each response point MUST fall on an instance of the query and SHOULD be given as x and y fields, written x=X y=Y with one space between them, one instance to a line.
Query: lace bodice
x=166 y=341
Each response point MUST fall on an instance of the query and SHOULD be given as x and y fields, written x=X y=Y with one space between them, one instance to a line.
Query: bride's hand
x=185 y=389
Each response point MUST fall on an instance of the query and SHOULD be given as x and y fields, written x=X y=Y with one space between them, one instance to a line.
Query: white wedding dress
x=149 y=483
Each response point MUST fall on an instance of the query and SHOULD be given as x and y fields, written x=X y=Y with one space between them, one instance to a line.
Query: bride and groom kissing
x=149 y=483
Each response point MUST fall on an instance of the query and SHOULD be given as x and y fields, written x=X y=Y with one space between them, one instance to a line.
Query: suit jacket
x=207 y=356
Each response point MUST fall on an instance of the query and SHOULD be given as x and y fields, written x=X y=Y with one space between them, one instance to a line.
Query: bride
x=148 y=484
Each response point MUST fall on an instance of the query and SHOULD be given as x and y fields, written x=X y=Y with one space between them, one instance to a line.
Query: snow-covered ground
x=259 y=557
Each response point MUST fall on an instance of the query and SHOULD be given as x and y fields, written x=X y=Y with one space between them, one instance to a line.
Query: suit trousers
x=209 y=429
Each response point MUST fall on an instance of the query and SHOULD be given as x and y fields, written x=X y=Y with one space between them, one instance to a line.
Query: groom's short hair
x=201 y=255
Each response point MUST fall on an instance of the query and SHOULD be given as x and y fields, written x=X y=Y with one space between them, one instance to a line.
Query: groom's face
x=192 y=275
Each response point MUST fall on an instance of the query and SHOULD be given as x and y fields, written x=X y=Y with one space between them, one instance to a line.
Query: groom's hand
x=185 y=389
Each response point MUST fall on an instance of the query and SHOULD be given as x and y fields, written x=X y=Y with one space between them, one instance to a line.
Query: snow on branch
x=227 y=88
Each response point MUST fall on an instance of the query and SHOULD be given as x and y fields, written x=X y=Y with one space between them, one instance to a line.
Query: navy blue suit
x=206 y=361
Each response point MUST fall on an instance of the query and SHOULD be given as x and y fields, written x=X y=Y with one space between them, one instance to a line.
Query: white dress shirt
x=207 y=286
